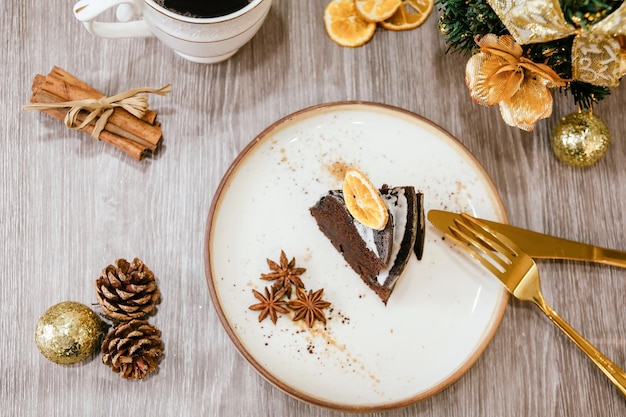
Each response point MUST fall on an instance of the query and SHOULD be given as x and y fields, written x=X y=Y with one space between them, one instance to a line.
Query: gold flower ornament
x=500 y=74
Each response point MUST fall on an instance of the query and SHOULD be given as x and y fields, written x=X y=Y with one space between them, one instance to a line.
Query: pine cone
x=133 y=349
x=127 y=291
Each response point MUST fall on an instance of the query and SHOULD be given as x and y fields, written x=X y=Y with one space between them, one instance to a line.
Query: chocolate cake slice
x=379 y=257
x=366 y=250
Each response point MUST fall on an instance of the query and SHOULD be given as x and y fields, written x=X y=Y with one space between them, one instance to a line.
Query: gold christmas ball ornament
x=580 y=139
x=69 y=332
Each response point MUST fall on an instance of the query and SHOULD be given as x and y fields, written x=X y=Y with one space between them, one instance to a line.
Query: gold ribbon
x=597 y=57
x=133 y=101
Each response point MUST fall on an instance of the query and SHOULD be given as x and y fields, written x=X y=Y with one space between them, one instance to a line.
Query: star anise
x=285 y=274
x=308 y=307
x=270 y=304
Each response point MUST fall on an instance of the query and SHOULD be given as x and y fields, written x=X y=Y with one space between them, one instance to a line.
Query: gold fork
x=520 y=275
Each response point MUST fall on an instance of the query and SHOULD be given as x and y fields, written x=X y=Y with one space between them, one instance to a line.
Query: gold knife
x=539 y=245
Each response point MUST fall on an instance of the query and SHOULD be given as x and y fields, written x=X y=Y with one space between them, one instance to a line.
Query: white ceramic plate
x=369 y=357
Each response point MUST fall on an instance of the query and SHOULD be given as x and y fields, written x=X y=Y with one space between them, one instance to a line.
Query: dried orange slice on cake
x=377 y=10
x=410 y=14
x=345 y=26
x=363 y=200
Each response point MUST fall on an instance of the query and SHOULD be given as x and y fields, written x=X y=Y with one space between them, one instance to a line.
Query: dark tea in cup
x=203 y=8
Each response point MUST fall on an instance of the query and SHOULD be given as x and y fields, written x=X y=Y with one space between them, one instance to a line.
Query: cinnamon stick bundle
x=133 y=135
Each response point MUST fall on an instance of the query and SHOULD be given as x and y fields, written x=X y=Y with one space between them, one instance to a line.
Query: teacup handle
x=87 y=11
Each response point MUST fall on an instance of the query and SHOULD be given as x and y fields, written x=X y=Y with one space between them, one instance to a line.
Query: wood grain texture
x=70 y=205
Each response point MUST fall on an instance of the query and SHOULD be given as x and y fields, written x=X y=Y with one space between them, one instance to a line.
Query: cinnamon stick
x=134 y=149
x=124 y=121
x=131 y=148
x=130 y=134
x=149 y=117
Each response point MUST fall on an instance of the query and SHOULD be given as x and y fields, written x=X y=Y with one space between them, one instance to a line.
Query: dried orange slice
x=377 y=10
x=410 y=14
x=344 y=25
x=363 y=200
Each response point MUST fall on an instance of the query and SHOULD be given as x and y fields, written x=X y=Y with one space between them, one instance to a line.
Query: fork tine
x=489 y=248
x=485 y=245
x=492 y=239
x=470 y=246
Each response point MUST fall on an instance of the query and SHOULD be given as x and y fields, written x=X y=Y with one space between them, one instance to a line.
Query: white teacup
x=205 y=40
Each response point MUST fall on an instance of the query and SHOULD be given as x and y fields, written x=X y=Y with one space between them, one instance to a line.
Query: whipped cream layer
x=397 y=205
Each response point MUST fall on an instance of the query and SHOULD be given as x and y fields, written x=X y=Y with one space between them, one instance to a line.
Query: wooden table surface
x=71 y=205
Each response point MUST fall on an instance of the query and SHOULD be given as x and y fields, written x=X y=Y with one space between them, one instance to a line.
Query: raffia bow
x=597 y=56
x=100 y=109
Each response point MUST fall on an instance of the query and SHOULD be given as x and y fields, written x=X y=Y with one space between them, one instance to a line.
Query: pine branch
x=461 y=21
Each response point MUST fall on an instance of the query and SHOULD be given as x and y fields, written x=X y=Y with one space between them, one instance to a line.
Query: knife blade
x=539 y=245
